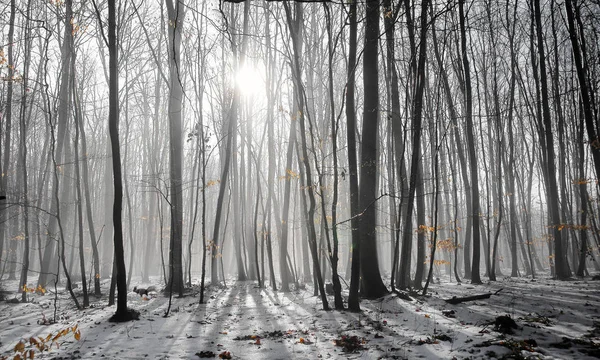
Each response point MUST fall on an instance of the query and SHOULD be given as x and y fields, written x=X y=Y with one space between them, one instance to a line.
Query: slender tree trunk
x=415 y=175
x=337 y=286
x=584 y=200
x=584 y=88
x=297 y=25
x=459 y=151
x=86 y=191
x=63 y=113
x=122 y=313
x=397 y=128
x=78 y=119
x=8 y=125
x=310 y=212
x=353 y=299
x=475 y=276
x=561 y=265
x=23 y=155
x=203 y=216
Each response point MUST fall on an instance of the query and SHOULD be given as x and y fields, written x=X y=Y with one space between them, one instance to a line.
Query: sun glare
x=250 y=81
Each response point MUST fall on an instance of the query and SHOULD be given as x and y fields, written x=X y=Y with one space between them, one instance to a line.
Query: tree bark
x=353 y=299
x=304 y=160
x=122 y=313
x=176 y=15
x=475 y=276
x=561 y=265
x=372 y=285
x=63 y=113
x=584 y=88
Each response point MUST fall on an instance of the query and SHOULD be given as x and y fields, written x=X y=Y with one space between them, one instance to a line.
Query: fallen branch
x=456 y=300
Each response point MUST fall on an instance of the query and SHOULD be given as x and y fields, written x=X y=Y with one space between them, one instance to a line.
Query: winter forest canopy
x=361 y=147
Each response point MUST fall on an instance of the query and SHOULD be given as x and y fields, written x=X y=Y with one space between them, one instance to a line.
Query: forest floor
x=554 y=320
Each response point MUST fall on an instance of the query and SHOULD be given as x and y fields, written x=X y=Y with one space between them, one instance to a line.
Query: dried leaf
x=225 y=355
x=20 y=347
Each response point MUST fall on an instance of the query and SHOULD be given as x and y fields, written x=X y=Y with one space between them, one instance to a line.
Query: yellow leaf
x=77 y=335
x=427 y=316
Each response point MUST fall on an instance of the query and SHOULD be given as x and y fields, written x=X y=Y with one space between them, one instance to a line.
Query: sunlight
x=251 y=81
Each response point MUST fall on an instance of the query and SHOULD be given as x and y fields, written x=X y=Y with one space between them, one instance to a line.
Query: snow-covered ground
x=555 y=320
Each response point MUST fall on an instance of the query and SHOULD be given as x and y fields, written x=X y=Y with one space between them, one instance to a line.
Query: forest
x=352 y=151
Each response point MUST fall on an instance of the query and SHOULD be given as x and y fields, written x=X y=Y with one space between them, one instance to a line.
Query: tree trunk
x=78 y=119
x=23 y=155
x=297 y=25
x=372 y=285
x=353 y=299
x=337 y=286
x=561 y=265
x=5 y=162
x=475 y=276
x=310 y=212
x=122 y=313
x=415 y=171
x=584 y=87
x=63 y=113
x=176 y=15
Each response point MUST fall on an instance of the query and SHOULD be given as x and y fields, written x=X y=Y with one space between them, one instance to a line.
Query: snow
x=277 y=325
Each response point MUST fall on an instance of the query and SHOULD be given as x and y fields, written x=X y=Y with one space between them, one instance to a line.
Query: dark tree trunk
x=23 y=157
x=289 y=163
x=372 y=285
x=88 y=199
x=511 y=146
x=561 y=265
x=353 y=299
x=337 y=286
x=475 y=276
x=79 y=199
x=8 y=124
x=457 y=142
x=122 y=313
x=397 y=128
x=415 y=171
x=584 y=87
x=584 y=200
